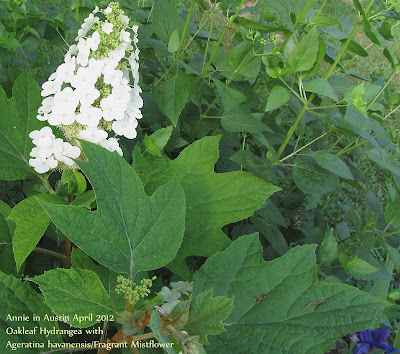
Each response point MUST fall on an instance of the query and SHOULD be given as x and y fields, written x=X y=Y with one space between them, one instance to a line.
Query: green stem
x=221 y=37
x=303 y=147
x=40 y=250
x=207 y=45
x=185 y=29
x=321 y=8
x=77 y=10
x=303 y=13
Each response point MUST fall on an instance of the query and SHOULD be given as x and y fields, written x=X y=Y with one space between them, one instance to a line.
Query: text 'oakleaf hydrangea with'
x=93 y=95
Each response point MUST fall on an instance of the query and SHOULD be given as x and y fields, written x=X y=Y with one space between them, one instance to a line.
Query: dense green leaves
x=18 y=120
x=279 y=306
x=129 y=229
x=19 y=299
x=77 y=293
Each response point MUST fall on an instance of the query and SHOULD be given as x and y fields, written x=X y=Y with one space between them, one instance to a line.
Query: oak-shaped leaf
x=280 y=306
x=129 y=232
x=213 y=200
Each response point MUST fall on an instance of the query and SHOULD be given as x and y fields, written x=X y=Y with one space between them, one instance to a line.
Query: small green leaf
x=238 y=120
x=77 y=293
x=304 y=55
x=333 y=164
x=385 y=160
x=173 y=43
x=172 y=96
x=322 y=87
x=392 y=214
x=207 y=313
x=328 y=251
x=323 y=21
x=277 y=98
x=358 y=266
x=75 y=180
x=242 y=60
x=394 y=255
x=313 y=179
x=156 y=142
x=32 y=222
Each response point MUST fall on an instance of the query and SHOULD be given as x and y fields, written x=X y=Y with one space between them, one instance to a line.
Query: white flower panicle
x=93 y=92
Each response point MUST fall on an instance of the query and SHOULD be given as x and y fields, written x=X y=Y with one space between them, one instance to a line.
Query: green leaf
x=277 y=98
x=75 y=180
x=392 y=214
x=19 y=299
x=243 y=61
x=230 y=97
x=322 y=87
x=394 y=255
x=32 y=222
x=329 y=248
x=213 y=200
x=313 y=179
x=156 y=142
x=333 y=164
x=108 y=278
x=238 y=120
x=21 y=111
x=171 y=97
x=280 y=306
x=358 y=266
x=128 y=229
x=155 y=326
x=7 y=264
x=207 y=313
x=355 y=48
x=304 y=55
x=76 y=293
x=173 y=43
x=166 y=20
x=385 y=160
x=85 y=199
x=323 y=21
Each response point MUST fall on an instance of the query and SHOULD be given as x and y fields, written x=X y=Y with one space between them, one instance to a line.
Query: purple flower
x=369 y=339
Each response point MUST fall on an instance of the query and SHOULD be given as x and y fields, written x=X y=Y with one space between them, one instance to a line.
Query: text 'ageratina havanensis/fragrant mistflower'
x=93 y=95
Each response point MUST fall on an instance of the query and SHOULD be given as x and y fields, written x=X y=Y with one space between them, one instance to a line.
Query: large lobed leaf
x=129 y=232
x=213 y=200
x=17 y=120
x=280 y=306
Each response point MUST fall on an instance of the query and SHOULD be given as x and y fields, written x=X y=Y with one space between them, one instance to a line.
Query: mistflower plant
x=93 y=95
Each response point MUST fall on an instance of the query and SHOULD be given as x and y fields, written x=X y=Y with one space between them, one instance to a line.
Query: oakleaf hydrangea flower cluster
x=90 y=95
